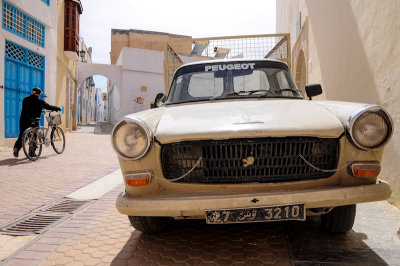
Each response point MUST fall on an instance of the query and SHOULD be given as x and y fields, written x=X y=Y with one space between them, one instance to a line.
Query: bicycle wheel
x=57 y=139
x=31 y=145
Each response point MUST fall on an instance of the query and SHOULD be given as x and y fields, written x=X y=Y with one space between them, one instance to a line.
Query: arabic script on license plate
x=256 y=214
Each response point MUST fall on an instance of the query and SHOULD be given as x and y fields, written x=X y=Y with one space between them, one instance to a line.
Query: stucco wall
x=140 y=68
x=114 y=103
x=148 y=40
x=354 y=54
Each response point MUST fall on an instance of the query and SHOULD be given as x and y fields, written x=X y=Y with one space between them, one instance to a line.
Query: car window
x=205 y=85
x=255 y=81
x=283 y=83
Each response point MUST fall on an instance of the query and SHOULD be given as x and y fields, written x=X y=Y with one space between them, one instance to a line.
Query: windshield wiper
x=290 y=89
x=223 y=95
x=241 y=93
x=263 y=92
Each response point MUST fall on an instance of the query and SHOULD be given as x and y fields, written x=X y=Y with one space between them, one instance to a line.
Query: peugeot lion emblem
x=248 y=161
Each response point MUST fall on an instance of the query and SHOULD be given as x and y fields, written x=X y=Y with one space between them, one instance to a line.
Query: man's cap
x=36 y=90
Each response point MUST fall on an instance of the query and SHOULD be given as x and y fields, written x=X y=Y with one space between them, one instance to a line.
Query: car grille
x=249 y=160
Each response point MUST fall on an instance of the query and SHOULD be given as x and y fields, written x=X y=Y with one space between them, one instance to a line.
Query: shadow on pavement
x=193 y=242
x=22 y=160
x=310 y=245
x=103 y=128
x=14 y=161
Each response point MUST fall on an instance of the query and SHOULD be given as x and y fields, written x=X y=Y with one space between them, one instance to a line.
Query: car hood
x=246 y=119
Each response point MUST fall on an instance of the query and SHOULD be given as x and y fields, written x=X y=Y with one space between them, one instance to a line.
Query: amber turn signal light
x=137 y=179
x=365 y=169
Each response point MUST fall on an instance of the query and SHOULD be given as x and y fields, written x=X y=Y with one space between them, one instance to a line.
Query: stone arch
x=112 y=72
x=301 y=70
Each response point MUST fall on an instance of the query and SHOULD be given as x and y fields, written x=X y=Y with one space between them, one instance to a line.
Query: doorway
x=23 y=71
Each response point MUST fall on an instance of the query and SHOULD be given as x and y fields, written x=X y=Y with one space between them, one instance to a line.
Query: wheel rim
x=57 y=140
x=32 y=148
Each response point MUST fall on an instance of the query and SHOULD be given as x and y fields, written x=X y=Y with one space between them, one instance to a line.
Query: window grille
x=24 y=55
x=15 y=52
x=20 y=24
x=35 y=60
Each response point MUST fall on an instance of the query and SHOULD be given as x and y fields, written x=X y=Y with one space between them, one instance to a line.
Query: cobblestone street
x=97 y=234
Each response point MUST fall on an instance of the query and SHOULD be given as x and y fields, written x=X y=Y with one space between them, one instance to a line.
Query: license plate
x=256 y=214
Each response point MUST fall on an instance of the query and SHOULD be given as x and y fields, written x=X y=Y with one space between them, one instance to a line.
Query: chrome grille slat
x=275 y=159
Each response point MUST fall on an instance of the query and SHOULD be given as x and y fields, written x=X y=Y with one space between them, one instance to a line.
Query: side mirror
x=313 y=90
x=160 y=98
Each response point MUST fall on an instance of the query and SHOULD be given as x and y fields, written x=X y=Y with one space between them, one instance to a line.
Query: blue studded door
x=23 y=70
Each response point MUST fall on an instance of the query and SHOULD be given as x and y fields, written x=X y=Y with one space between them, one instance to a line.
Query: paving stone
x=75 y=264
x=79 y=246
x=31 y=255
x=107 y=259
x=42 y=247
x=64 y=260
x=72 y=253
x=120 y=262
x=89 y=250
x=22 y=262
x=81 y=257
x=50 y=240
x=92 y=261
x=46 y=263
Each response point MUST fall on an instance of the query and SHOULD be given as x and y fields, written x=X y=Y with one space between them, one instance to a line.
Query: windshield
x=232 y=80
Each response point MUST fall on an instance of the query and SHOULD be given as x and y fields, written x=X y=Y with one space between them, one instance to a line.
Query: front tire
x=340 y=219
x=148 y=224
x=31 y=144
x=57 y=139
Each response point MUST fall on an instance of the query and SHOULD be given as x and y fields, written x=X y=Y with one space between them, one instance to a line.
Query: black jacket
x=32 y=107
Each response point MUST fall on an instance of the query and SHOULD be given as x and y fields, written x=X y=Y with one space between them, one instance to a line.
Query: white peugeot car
x=236 y=142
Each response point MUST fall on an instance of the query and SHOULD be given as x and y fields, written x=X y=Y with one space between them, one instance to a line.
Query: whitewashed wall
x=354 y=53
x=142 y=79
x=47 y=15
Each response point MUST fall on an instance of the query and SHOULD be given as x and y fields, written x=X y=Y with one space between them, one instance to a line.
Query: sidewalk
x=27 y=185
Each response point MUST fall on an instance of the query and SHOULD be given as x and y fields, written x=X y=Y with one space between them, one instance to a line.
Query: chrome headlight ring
x=375 y=113
x=131 y=138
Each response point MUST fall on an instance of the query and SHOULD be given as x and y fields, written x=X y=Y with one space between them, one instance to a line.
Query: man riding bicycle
x=31 y=108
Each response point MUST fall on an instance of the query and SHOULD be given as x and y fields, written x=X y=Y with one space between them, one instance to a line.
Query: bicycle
x=34 y=137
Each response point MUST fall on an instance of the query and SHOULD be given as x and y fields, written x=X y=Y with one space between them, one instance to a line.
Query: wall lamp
x=82 y=54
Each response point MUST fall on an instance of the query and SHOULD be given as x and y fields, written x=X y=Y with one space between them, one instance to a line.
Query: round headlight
x=370 y=128
x=131 y=138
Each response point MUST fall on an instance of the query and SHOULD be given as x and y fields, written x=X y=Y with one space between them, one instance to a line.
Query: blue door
x=11 y=100
x=23 y=70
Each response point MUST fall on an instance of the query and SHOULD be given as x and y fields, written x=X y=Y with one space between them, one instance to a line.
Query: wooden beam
x=276 y=47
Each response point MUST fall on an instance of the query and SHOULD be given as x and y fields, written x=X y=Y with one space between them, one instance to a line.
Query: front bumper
x=179 y=204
